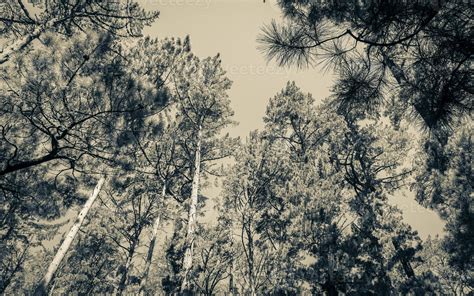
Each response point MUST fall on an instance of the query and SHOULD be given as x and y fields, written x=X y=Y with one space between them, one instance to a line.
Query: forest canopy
x=109 y=140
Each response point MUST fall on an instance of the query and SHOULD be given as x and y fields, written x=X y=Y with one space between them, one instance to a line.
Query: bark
x=151 y=248
x=43 y=285
x=250 y=244
x=188 y=255
x=53 y=154
x=29 y=163
x=252 y=278
x=396 y=70
x=407 y=268
x=330 y=286
x=26 y=40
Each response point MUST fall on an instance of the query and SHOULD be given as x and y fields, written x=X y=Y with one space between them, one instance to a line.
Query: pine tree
x=203 y=111
x=24 y=23
x=66 y=244
x=419 y=44
x=446 y=186
x=252 y=206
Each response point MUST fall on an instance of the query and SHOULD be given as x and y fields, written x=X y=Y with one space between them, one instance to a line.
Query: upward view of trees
x=109 y=140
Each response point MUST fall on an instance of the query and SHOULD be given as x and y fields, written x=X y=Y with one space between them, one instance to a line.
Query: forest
x=109 y=139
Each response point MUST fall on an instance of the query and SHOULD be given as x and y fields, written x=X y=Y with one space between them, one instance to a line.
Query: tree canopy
x=110 y=141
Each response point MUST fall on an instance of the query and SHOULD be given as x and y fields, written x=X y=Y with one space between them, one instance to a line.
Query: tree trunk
x=330 y=286
x=250 y=260
x=188 y=255
x=395 y=69
x=151 y=248
x=407 y=268
x=43 y=285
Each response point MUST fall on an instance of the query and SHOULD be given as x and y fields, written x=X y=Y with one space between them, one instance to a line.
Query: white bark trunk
x=151 y=248
x=43 y=285
x=188 y=255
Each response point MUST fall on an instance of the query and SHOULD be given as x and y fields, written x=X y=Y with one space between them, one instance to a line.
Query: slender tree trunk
x=188 y=255
x=43 y=285
x=151 y=248
x=252 y=278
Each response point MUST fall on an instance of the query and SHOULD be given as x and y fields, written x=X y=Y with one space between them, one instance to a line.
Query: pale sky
x=230 y=27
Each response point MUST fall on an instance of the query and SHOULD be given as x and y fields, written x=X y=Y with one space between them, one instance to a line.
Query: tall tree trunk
x=151 y=248
x=188 y=255
x=43 y=285
x=252 y=278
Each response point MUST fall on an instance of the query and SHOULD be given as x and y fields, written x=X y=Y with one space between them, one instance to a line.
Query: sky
x=231 y=28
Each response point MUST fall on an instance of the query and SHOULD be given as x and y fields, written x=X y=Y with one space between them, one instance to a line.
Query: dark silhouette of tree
x=446 y=187
x=68 y=117
x=66 y=106
x=425 y=46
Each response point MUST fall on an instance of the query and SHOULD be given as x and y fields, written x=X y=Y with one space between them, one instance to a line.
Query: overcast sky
x=230 y=27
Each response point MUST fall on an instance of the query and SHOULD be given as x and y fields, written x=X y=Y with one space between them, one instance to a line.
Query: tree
x=204 y=110
x=253 y=207
x=63 y=120
x=444 y=183
x=444 y=277
x=63 y=101
x=134 y=203
x=23 y=225
x=426 y=52
x=215 y=252
x=382 y=241
x=313 y=195
x=412 y=51
x=94 y=260
x=24 y=23
x=66 y=244
x=342 y=171
x=152 y=147
x=166 y=164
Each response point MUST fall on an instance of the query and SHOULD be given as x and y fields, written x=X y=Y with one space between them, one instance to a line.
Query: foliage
x=426 y=47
